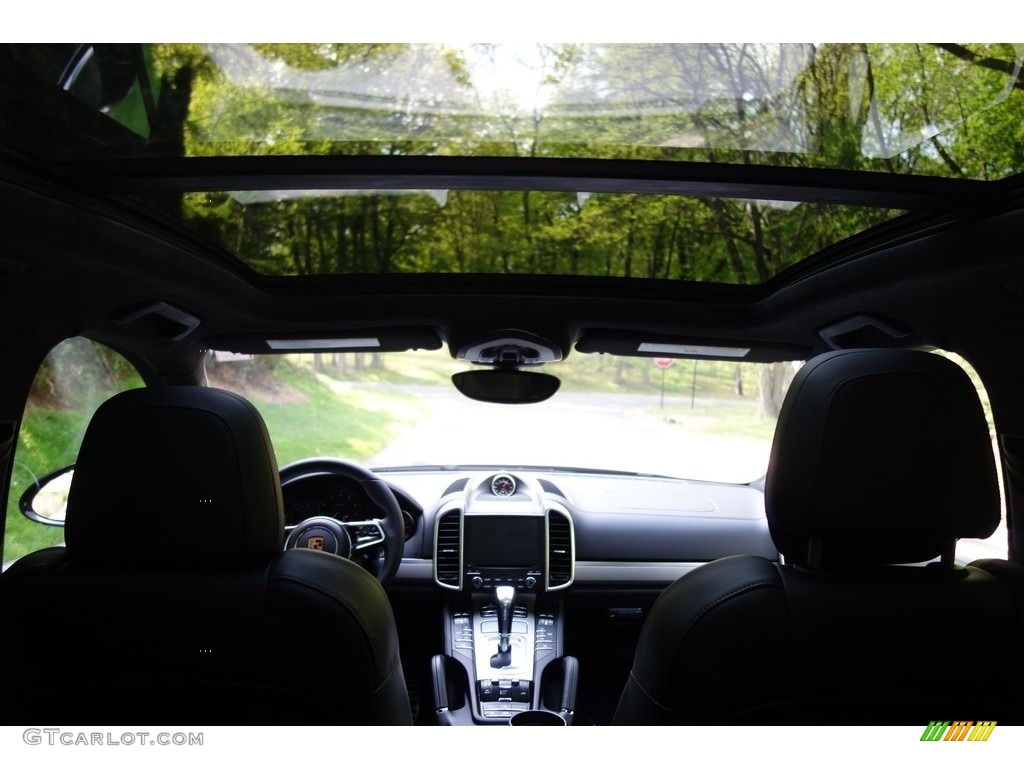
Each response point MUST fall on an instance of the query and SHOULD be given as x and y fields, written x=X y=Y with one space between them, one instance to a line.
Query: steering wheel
x=351 y=540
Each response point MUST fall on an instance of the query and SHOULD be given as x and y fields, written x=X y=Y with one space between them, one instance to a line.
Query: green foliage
x=314 y=414
x=79 y=375
x=307 y=414
x=49 y=439
x=317 y=57
x=903 y=108
x=73 y=380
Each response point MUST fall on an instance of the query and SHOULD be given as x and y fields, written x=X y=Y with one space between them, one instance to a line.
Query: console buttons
x=505 y=691
x=462 y=631
x=513 y=690
x=545 y=637
x=502 y=709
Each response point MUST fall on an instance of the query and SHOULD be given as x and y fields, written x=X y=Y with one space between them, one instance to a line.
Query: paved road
x=572 y=429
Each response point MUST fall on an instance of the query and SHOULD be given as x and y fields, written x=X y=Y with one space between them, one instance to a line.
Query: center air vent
x=561 y=556
x=447 y=550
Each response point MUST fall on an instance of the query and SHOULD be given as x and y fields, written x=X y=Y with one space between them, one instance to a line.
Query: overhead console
x=503 y=550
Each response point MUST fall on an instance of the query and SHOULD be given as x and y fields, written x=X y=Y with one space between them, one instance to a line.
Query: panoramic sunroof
x=722 y=163
x=927 y=109
x=313 y=232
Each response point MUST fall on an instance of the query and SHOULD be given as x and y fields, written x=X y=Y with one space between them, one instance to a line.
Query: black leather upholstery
x=182 y=477
x=172 y=601
x=884 y=456
x=881 y=458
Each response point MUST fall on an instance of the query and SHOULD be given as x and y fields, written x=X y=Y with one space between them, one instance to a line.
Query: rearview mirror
x=46 y=500
x=507 y=387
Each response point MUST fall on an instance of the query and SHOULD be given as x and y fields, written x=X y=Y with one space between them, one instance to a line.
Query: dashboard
x=622 y=529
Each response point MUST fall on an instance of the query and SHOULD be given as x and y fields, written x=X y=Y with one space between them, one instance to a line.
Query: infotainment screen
x=491 y=541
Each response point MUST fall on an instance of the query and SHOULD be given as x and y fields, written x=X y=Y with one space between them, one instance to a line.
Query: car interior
x=535 y=384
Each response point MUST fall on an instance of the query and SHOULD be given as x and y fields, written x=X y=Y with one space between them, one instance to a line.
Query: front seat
x=172 y=601
x=881 y=460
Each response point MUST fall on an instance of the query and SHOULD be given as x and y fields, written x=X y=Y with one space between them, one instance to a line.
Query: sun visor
x=397 y=339
x=640 y=344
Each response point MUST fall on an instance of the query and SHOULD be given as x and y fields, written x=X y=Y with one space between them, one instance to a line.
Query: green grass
x=336 y=418
x=327 y=418
x=740 y=418
x=598 y=373
x=417 y=367
x=49 y=439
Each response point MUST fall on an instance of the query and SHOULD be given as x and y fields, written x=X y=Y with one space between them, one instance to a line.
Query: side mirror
x=46 y=500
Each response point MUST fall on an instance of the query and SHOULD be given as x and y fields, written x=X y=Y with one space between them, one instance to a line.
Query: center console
x=503 y=552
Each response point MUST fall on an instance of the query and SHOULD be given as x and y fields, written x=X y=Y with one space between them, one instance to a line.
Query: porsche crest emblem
x=315 y=542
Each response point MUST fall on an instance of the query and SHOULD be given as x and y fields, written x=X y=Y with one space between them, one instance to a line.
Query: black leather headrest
x=882 y=454
x=175 y=477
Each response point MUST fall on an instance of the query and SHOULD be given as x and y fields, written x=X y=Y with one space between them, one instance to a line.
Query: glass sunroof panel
x=928 y=109
x=312 y=232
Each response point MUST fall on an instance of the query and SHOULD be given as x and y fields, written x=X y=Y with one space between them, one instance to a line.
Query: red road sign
x=663 y=362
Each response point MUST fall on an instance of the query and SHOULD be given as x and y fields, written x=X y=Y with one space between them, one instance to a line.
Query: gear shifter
x=506 y=597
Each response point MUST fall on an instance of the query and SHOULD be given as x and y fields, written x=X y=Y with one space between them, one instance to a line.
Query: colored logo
x=959 y=730
x=315 y=542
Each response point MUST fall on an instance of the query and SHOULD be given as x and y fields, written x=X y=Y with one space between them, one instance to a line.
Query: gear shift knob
x=506 y=597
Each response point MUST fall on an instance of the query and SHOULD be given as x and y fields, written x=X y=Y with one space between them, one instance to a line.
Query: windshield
x=695 y=419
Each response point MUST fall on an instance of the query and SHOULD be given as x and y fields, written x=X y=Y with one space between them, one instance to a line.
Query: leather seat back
x=881 y=460
x=172 y=600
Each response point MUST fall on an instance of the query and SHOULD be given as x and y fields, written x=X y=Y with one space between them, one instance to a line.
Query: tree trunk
x=620 y=371
x=774 y=381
